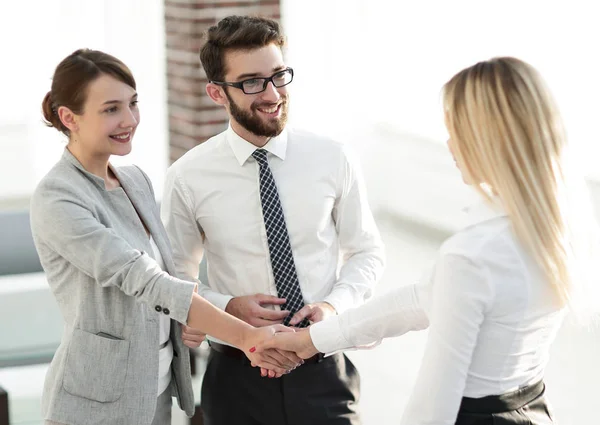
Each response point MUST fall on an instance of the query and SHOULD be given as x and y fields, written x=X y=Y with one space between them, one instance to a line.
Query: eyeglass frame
x=266 y=81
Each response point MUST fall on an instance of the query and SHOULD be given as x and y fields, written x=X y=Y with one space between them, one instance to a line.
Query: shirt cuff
x=340 y=299
x=218 y=300
x=327 y=336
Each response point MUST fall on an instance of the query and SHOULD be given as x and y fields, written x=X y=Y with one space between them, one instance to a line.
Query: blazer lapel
x=147 y=209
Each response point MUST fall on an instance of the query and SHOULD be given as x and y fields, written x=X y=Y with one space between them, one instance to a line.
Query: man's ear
x=217 y=94
x=68 y=118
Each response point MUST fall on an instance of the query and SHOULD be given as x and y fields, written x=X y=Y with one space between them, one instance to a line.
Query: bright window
x=37 y=35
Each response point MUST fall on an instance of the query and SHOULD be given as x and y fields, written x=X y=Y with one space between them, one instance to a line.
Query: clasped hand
x=274 y=348
x=298 y=343
x=293 y=345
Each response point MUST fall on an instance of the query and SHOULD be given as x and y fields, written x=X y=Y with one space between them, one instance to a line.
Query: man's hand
x=315 y=312
x=250 y=309
x=191 y=337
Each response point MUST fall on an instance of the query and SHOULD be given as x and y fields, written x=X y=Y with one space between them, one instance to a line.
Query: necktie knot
x=261 y=156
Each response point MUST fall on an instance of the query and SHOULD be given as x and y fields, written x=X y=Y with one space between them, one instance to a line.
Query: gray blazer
x=98 y=262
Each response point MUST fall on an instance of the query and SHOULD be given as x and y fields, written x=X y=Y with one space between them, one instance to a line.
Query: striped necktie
x=280 y=250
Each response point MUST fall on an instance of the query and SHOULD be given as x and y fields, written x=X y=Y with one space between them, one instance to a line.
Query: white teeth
x=122 y=137
x=270 y=110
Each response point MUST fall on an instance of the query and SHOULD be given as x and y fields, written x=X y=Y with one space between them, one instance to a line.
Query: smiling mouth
x=272 y=110
x=122 y=137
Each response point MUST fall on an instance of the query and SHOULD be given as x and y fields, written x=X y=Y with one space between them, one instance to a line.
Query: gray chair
x=30 y=322
x=17 y=251
x=26 y=302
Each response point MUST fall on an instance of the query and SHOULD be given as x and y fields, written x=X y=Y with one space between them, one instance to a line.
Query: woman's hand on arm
x=191 y=337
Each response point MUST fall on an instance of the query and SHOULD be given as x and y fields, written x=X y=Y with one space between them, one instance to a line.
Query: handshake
x=274 y=348
x=279 y=349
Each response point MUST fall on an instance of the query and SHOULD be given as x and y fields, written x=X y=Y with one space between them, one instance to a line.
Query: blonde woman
x=499 y=290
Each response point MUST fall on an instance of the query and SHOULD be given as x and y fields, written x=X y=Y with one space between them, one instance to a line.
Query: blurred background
x=367 y=72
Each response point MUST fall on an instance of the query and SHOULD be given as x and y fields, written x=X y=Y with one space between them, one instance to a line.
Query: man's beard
x=252 y=122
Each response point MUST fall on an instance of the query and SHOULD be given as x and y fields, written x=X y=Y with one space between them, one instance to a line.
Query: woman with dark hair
x=108 y=261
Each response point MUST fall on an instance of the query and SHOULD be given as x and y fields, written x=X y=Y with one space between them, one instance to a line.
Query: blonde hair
x=509 y=139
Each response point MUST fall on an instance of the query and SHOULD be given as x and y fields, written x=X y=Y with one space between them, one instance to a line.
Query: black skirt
x=526 y=406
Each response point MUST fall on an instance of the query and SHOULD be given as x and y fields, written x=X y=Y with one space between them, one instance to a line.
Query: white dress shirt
x=211 y=206
x=491 y=312
x=165 y=352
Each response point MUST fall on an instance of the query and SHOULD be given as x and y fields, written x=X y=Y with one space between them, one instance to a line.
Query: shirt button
x=158 y=308
x=166 y=311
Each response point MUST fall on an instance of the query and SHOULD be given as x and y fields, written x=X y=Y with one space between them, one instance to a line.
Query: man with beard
x=283 y=220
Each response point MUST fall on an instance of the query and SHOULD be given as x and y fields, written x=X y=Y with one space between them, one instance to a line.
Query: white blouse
x=491 y=312
x=165 y=352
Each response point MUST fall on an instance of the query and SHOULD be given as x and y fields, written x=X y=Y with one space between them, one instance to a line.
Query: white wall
x=36 y=35
x=367 y=71
x=370 y=72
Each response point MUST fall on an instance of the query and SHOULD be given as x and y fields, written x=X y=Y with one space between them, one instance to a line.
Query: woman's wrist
x=245 y=338
x=308 y=344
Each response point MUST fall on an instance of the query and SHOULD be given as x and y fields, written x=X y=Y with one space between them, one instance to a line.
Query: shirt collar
x=483 y=211
x=242 y=149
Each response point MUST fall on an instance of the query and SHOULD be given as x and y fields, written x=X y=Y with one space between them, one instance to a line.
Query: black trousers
x=324 y=393
x=526 y=406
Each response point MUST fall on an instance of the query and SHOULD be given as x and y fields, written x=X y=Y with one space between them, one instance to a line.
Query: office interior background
x=367 y=72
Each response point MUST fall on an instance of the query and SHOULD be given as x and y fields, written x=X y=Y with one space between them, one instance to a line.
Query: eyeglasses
x=259 y=85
